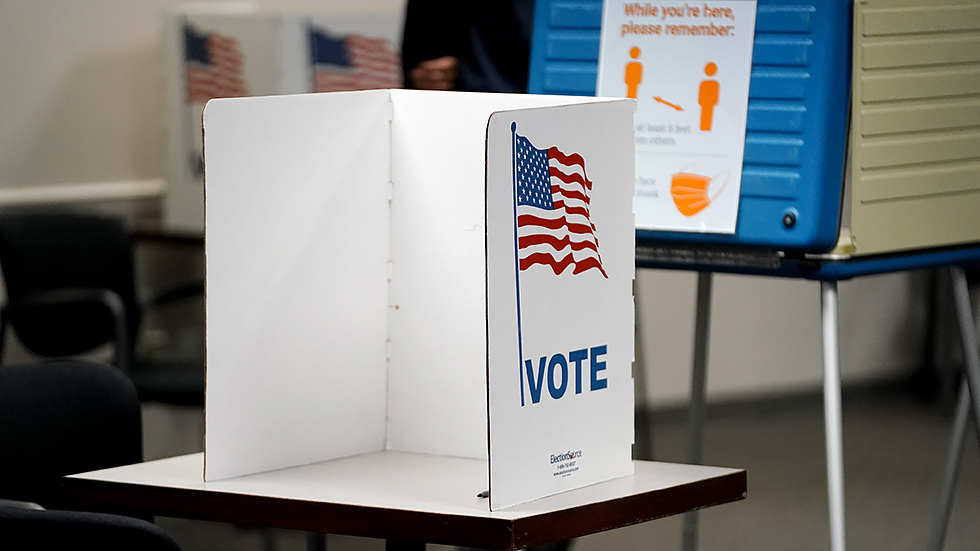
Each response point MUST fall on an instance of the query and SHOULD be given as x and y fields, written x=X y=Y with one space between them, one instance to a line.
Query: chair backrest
x=30 y=529
x=54 y=250
x=63 y=417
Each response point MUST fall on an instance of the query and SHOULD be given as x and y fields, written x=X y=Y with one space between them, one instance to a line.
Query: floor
x=894 y=450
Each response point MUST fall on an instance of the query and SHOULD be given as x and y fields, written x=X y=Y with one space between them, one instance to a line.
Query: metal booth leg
x=968 y=335
x=316 y=541
x=695 y=419
x=400 y=545
x=645 y=441
x=968 y=396
x=937 y=533
x=832 y=414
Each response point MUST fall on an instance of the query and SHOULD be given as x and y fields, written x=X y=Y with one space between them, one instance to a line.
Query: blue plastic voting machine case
x=796 y=131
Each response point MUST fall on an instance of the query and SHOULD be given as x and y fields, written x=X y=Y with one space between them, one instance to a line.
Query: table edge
x=397 y=524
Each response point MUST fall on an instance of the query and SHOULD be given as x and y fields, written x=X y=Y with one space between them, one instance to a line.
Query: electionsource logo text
x=567 y=456
x=566 y=463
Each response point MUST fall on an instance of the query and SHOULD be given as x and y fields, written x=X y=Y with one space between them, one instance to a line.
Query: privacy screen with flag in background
x=554 y=227
x=352 y=62
x=214 y=66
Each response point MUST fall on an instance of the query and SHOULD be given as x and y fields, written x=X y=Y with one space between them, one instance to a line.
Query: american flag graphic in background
x=214 y=66
x=352 y=62
x=553 y=222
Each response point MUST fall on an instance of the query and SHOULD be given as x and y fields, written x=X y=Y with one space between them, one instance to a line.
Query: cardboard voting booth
x=430 y=272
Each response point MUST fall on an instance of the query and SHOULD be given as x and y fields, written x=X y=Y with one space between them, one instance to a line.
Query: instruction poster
x=687 y=64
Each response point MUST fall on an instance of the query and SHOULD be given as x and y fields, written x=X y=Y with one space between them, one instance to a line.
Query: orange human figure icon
x=708 y=96
x=634 y=73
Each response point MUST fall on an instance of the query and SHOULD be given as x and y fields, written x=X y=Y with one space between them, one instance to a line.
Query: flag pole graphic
x=517 y=261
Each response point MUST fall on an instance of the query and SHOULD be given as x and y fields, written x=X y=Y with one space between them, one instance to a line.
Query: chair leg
x=696 y=409
x=832 y=414
x=3 y=332
x=968 y=397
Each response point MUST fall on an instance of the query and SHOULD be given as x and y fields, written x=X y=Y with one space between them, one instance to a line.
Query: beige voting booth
x=914 y=175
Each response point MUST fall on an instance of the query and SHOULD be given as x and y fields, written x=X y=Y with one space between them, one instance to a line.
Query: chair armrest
x=107 y=297
x=20 y=504
x=178 y=293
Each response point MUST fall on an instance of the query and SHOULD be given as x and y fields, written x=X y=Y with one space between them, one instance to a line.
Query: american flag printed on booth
x=352 y=62
x=554 y=226
x=213 y=66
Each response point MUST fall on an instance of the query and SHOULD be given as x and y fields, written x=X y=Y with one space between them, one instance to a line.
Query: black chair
x=63 y=417
x=70 y=287
x=31 y=529
x=59 y=418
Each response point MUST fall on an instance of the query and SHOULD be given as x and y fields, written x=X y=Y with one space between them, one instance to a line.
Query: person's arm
x=434 y=33
x=434 y=74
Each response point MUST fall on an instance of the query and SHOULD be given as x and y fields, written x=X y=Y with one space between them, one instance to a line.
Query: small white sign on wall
x=688 y=65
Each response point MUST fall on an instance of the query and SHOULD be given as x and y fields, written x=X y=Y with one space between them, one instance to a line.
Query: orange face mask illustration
x=690 y=190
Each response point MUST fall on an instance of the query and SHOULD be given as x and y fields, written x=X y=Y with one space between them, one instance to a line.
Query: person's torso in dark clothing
x=498 y=47
x=491 y=39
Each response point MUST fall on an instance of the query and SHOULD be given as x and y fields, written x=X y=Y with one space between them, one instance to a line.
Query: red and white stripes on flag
x=371 y=64
x=215 y=67
x=554 y=225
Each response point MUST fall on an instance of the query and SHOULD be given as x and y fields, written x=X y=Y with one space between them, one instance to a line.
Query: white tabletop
x=396 y=482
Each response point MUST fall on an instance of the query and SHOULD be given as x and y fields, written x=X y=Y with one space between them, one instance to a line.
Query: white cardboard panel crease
x=437 y=402
x=296 y=299
x=560 y=325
